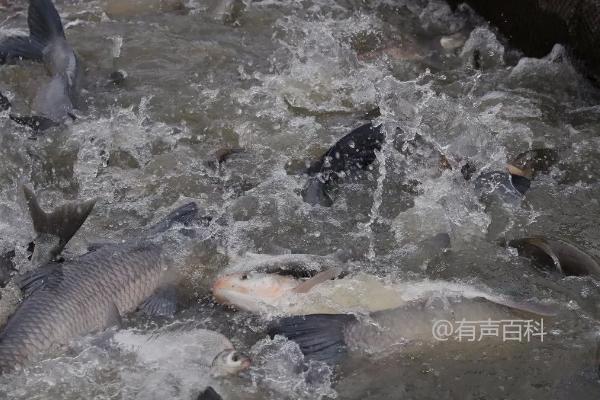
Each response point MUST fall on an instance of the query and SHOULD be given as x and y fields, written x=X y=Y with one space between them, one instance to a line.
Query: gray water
x=284 y=80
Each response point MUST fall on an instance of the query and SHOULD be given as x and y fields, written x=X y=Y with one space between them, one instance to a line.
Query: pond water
x=283 y=80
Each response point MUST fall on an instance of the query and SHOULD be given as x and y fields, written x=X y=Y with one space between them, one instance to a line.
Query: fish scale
x=81 y=298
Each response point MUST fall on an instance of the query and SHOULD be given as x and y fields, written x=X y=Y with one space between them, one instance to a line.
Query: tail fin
x=61 y=224
x=182 y=215
x=17 y=48
x=44 y=22
x=320 y=336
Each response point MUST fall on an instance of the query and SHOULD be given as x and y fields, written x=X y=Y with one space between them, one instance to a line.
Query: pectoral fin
x=321 y=277
x=163 y=303
x=113 y=318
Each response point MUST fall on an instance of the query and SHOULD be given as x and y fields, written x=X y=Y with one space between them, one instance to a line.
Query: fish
x=512 y=184
x=180 y=343
x=273 y=294
x=558 y=254
x=331 y=337
x=55 y=101
x=350 y=154
x=91 y=292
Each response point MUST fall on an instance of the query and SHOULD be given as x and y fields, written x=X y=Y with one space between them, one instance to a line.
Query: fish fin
x=44 y=22
x=319 y=336
x=44 y=276
x=356 y=150
x=184 y=215
x=37 y=123
x=113 y=318
x=62 y=223
x=17 y=48
x=209 y=394
x=321 y=277
x=163 y=303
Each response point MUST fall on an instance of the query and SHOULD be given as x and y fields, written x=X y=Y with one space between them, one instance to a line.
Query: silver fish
x=181 y=343
x=91 y=293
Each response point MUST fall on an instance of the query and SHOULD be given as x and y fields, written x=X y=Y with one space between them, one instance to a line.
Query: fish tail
x=44 y=22
x=319 y=336
x=63 y=222
x=15 y=48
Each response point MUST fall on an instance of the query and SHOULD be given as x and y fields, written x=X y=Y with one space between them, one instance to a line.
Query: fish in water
x=350 y=154
x=92 y=292
x=559 y=254
x=511 y=185
x=328 y=337
x=55 y=101
x=181 y=343
x=275 y=295
x=53 y=232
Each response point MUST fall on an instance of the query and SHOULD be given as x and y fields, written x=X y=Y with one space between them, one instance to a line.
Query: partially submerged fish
x=181 y=343
x=328 y=337
x=274 y=294
x=55 y=101
x=350 y=154
x=511 y=185
x=91 y=292
x=561 y=255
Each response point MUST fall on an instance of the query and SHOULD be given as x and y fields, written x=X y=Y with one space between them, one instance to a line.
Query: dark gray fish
x=350 y=154
x=328 y=337
x=90 y=293
x=55 y=101
x=561 y=255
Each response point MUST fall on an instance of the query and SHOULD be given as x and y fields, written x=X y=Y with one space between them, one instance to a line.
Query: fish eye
x=244 y=277
x=235 y=357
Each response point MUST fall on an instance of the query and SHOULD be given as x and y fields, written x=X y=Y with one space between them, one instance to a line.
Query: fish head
x=251 y=291
x=229 y=362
